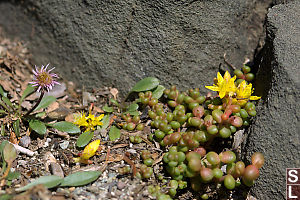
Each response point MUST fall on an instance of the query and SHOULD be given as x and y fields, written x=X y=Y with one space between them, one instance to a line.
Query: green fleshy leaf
x=114 y=133
x=9 y=153
x=84 y=138
x=16 y=126
x=80 y=178
x=66 y=127
x=105 y=122
x=108 y=109
x=145 y=84
x=38 y=126
x=29 y=89
x=47 y=181
x=114 y=102
x=158 y=92
x=2 y=92
x=13 y=175
x=46 y=101
x=132 y=107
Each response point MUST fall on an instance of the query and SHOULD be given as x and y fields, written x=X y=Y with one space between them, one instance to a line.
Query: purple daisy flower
x=44 y=79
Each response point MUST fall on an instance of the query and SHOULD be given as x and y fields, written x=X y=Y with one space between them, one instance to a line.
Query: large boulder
x=96 y=43
x=275 y=131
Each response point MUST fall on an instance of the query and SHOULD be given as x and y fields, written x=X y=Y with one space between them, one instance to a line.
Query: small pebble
x=64 y=144
x=25 y=141
x=121 y=185
x=92 y=189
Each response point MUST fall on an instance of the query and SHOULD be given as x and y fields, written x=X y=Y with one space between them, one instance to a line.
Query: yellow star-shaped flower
x=225 y=86
x=243 y=93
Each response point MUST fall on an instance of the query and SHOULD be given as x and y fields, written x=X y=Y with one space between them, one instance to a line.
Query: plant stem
x=37 y=103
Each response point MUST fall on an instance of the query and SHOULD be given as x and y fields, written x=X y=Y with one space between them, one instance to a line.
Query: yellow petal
x=213 y=88
x=222 y=93
x=90 y=149
x=254 y=98
x=220 y=78
x=227 y=76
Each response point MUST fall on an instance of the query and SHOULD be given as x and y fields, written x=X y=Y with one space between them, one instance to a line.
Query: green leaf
x=114 y=102
x=114 y=133
x=134 y=113
x=6 y=197
x=7 y=101
x=84 y=138
x=105 y=121
x=38 y=126
x=158 y=92
x=2 y=145
x=108 y=109
x=2 y=93
x=2 y=111
x=40 y=114
x=80 y=178
x=46 y=101
x=145 y=84
x=66 y=127
x=47 y=181
x=132 y=107
x=16 y=126
x=2 y=130
x=9 y=153
x=13 y=175
x=29 y=89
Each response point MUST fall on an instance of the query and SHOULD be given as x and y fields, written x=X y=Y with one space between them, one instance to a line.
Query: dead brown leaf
x=114 y=92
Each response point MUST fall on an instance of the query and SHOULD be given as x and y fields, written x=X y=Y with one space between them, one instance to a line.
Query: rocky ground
x=53 y=153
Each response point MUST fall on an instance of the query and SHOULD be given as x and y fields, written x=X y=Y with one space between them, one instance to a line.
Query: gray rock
x=275 y=131
x=96 y=43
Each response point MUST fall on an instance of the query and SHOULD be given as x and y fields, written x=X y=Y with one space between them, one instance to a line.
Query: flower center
x=44 y=78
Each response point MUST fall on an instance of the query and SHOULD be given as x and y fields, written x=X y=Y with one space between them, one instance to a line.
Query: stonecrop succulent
x=88 y=122
x=43 y=79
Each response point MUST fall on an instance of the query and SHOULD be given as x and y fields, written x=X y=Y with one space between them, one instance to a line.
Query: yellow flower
x=225 y=86
x=243 y=93
x=80 y=120
x=89 y=121
x=89 y=151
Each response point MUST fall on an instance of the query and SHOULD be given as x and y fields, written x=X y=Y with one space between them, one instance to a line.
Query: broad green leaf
x=105 y=121
x=29 y=89
x=80 y=178
x=114 y=133
x=132 y=112
x=84 y=138
x=2 y=145
x=47 y=181
x=16 y=126
x=38 y=126
x=2 y=93
x=108 y=109
x=158 y=92
x=132 y=107
x=114 y=102
x=66 y=127
x=13 y=175
x=40 y=114
x=145 y=84
x=9 y=153
x=46 y=101
x=7 y=101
